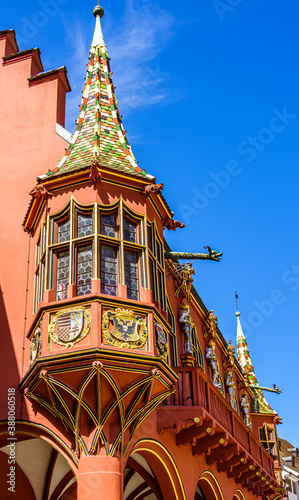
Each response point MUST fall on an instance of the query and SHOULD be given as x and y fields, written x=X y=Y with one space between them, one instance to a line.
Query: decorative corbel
x=39 y=191
x=94 y=173
x=153 y=188
x=172 y=224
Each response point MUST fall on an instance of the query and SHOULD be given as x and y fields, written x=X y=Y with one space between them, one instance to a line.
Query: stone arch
x=155 y=465
x=209 y=487
x=39 y=464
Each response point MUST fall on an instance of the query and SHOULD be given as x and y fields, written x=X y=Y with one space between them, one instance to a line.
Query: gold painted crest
x=69 y=326
x=128 y=329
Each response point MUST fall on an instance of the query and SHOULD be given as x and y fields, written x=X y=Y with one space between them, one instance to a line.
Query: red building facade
x=117 y=380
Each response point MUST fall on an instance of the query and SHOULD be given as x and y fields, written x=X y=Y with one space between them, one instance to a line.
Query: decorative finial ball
x=98 y=11
x=237 y=313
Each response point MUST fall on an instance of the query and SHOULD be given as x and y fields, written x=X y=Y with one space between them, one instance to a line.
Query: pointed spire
x=244 y=359
x=99 y=137
x=98 y=38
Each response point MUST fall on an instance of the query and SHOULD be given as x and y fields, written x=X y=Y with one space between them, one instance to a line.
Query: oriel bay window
x=106 y=242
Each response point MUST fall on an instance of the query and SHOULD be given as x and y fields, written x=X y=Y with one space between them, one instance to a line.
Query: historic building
x=116 y=380
x=289 y=456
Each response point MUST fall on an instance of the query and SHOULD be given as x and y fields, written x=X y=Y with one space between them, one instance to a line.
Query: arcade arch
x=151 y=470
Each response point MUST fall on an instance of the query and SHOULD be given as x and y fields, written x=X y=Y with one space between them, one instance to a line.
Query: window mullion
x=145 y=255
x=47 y=268
x=95 y=272
x=72 y=264
x=121 y=248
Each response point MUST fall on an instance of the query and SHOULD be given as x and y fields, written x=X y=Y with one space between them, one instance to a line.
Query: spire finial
x=98 y=10
x=237 y=311
x=98 y=38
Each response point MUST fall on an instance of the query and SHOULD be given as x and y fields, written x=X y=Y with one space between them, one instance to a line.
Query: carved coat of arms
x=69 y=326
x=161 y=341
x=124 y=328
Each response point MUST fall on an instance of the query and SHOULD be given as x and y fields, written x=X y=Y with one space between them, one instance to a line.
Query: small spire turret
x=98 y=38
x=245 y=362
x=99 y=139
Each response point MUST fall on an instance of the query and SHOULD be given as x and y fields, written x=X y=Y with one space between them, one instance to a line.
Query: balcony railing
x=195 y=389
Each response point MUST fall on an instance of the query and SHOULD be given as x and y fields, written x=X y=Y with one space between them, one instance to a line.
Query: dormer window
x=268 y=439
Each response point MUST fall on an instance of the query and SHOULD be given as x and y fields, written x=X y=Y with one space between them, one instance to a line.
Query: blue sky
x=209 y=95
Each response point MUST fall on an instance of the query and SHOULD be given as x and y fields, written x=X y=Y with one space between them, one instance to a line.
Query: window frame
x=52 y=246
x=156 y=265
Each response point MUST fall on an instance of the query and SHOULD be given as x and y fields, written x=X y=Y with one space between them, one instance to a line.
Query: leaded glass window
x=156 y=263
x=109 y=270
x=76 y=238
x=63 y=231
x=62 y=281
x=84 y=269
x=130 y=230
x=131 y=274
x=84 y=225
x=108 y=225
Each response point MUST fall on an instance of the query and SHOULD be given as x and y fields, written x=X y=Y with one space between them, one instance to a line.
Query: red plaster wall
x=29 y=147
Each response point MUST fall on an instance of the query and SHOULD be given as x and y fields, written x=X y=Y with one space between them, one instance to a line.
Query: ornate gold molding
x=67 y=326
x=129 y=329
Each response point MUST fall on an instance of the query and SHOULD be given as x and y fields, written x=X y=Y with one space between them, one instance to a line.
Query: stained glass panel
x=84 y=225
x=64 y=231
x=84 y=270
x=131 y=274
x=108 y=225
x=130 y=230
x=62 y=281
x=109 y=270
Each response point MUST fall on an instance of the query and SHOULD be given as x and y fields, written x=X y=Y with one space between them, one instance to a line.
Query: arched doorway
x=35 y=470
x=208 y=487
x=139 y=480
x=151 y=474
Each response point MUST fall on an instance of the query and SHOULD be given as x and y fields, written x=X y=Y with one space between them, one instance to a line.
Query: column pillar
x=99 y=477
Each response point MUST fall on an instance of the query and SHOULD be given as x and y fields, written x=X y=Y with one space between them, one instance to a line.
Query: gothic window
x=62 y=276
x=157 y=266
x=63 y=231
x=70 y=250
x=130 y=230
x=109 y=270
x=40 y=263
x=131 y=274
x=108 y=225
x=84 y=225
x=172 y=336
x=82 y=243
x=268 y=439
x=199 y=359
x=84 y=269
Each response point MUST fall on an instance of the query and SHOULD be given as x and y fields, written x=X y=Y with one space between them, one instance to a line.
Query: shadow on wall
x=10 y=375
